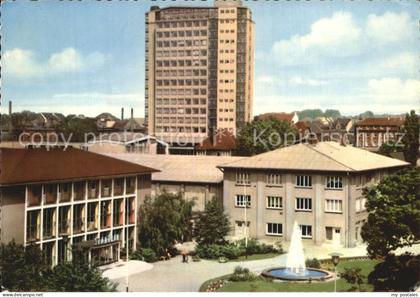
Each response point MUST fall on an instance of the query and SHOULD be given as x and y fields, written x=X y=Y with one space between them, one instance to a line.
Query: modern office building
x=64 y=199
x=317 y=185
x=199 y=70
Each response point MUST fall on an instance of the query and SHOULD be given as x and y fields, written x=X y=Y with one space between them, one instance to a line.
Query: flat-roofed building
x=61 y=199
x=317 y=185
x=196 y=177
x=199 y=70
x=371 y=133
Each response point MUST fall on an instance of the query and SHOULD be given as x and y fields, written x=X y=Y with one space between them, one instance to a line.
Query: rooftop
x=323 y=156
x=20 y=166
x=387 y=121
x=181 y=168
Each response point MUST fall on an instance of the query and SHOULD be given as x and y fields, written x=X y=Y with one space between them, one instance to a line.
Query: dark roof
x=221 y=141
x=281 y=116
x=19 y=166
x=389 y=121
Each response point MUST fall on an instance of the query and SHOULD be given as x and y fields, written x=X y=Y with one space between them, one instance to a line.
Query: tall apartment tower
x=199 y=70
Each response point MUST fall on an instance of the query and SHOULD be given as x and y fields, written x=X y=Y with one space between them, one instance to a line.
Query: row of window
x=181 y=72
x=181 y=82
x=301 y=204
x=188 y=120
x=277 y=229
x=167 y=91
x=334 y=182
x=181 y=24
x=181 y=110
x=180 y=63
x=225 y=119
x=181 y=129
x=175 y=43
x=225 y=110
x=181 y=53
x=174 y=34
x=187 y=101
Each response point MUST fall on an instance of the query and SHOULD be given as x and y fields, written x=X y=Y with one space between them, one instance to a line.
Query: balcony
x=93 y=187
x=64 y=227
x=32 y=233
x=64 y=192
x=106 y=186
x=118 y=187
x=91 y=224
x=118 y=218
x=48 y=231
x=106 y=221
x=78 y=225
x=50 y=194
x=79 y=191
x=132 y=217
x=130 y=185
x=34 y=195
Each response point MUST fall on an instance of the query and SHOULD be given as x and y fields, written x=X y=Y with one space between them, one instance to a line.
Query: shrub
x=241 y=274
x=215 y=251
x=313 y=263
x=146 y=254
x=353 y=276
x=254 y=247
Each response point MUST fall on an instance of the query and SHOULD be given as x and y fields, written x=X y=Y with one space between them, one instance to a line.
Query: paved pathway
x=175 y=276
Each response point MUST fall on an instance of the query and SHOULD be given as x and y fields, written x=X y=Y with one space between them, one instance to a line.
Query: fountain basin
x=283 y=273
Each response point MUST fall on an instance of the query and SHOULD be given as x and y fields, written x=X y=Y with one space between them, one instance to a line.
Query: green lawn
x=263 y=285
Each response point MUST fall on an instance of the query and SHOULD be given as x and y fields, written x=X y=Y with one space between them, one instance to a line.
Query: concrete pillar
x=260 y=204
x=350 y=211
x=289 y=207
x=318 y=210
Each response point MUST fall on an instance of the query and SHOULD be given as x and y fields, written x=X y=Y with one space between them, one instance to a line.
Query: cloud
x=21 y=63
x=395 y=90
x=335 y=36
x=390 y=27
x=299 y=80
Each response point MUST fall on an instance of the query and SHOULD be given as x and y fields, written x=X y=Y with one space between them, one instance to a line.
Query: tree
x=261 y=136
x=388 y=148
x=332 y=113
x=77 y=276
x=77 y=128
x=411 y=138
x=163 y=221
x=366 y=114
x=353 y=276
x=396 y=273
x=310 y=113
x=20 y=120
x=213 y=224
x=21 y=268
x=394 y=213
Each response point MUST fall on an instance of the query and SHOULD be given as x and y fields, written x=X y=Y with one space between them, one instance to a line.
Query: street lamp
x=335 y=258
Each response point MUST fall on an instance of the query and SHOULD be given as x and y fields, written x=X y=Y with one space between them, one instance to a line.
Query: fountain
x=295 y=269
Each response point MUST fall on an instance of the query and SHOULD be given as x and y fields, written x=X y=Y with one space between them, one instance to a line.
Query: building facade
x=62 y=200
x=371 y=133
x=318 y=186
x=199 y=70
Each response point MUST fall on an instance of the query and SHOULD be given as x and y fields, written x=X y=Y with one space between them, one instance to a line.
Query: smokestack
x=132 y=113
x=122 y=113
x=10 y=108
